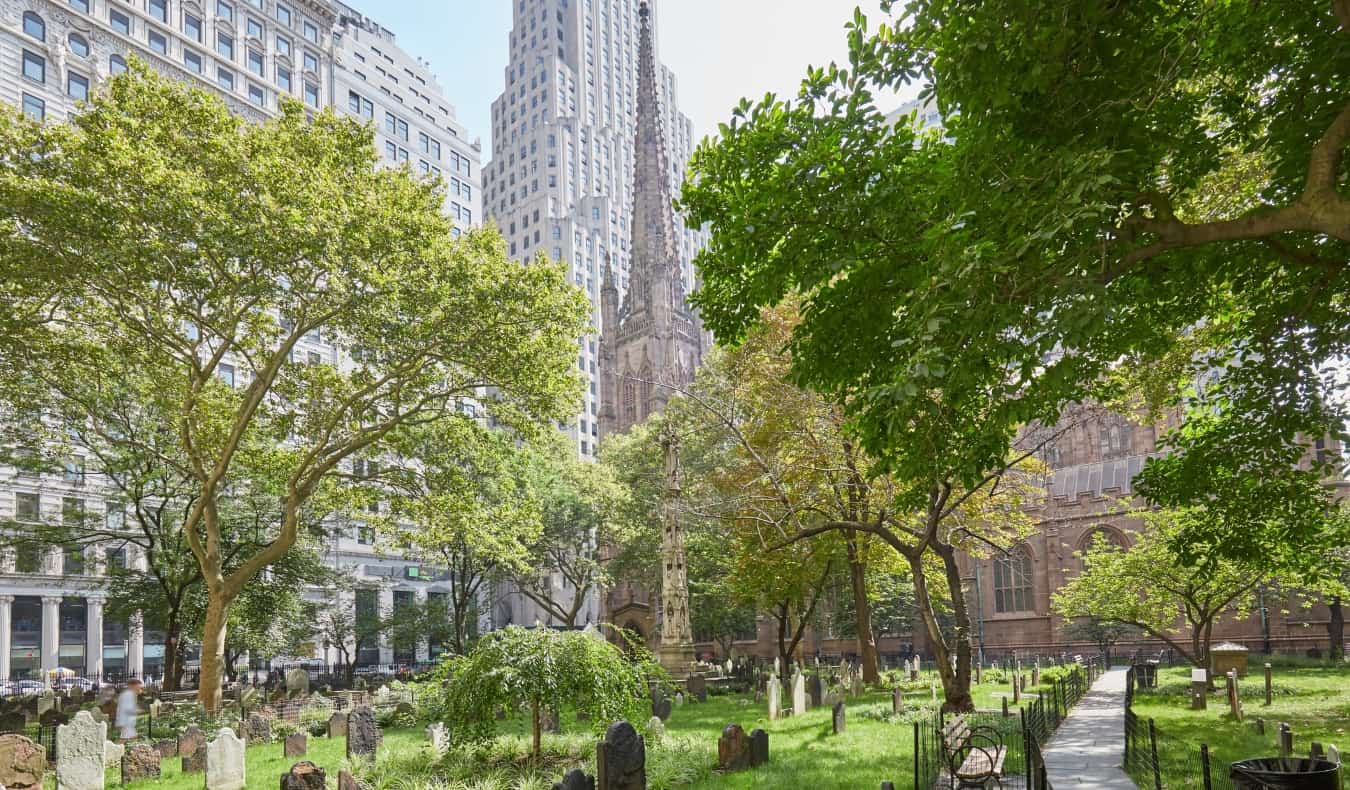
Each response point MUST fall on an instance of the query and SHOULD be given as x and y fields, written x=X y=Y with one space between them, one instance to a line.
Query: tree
x=544 y=670
x=716 y=613
x=210 y=252
x=1148 y=587
x=1110 y=179
x=1103 y=634
x=348 y=630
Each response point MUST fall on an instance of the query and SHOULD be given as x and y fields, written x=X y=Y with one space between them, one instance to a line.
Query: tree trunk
x=213 y=651
x=172 y=660
x=959 y=699
x=1336 y=629
x=536 y=726
x=782 y=617
x=955 y=685
x=862 y=608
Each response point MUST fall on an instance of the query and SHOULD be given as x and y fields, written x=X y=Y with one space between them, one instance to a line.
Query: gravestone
x=295 y=745
x=775 y=699
x=858 y=687
x=54 y=718
x=679 y=698
x=798 y=694
x=1333 y=754
x=363 y=733
x=440 y=738
x=897 y=700
x=1234 y=696
x=914 y=669
x=258 y=728
x=621 y=759
x=166 y=748
x=112 y=754
x=303 y=776
x=190 y=741
x=840 y=718
x=225 y=762
x=576 y=779
x=337 y=725
x=194 y=762
x=1199 y=689
x=661 y=709
x=140 y=762
x=297 y=683
x=22 y=763
x=79 y=753
x=698 y=687
x=13 y=721
x=347 y=782
x=759 y=748
x=733 y=749
x=816 y=687
x=1286 y=740
x=549 y=721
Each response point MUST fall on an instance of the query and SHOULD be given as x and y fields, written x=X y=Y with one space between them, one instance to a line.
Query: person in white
x=128 y=710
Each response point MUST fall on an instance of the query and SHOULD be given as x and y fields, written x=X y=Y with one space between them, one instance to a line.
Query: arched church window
x=1013 y=591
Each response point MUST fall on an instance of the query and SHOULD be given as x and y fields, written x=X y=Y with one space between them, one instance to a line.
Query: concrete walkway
x=1088 y=748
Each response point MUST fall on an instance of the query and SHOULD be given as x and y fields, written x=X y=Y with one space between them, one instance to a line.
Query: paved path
x=1087 y=749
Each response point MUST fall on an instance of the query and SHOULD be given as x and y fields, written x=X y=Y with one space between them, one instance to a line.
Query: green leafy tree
x=210 y=251
x=544 y=670
x=1109 y=178
x=716 y=612
x=1102 y=634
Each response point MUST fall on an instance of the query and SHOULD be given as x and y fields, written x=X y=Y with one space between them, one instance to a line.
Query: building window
x=283 y=14
x=120 y=22
x=159 y=9
x=73 y=561
x=255 y=28
x=77 y=85
x=226 y=374
x=80 y=5
x=256 y=95
x=311 y=94
x=225 y=46
x=115 y=559
x=284 y=78
x=117 y=65
x=225 y=78
x=255 y=63
x=311 y=61
x=283 y=46
x=78 y=45
x=34 y=67
x=192 y=60
x=158 y=43
x=28 y=559
x=311 y=31
x=27 y=507
x=360 y=105
x=224 y=10
x=115 y=516
x=34 y=26
x=1013 y=582
x=192 y=27
x=34 y=107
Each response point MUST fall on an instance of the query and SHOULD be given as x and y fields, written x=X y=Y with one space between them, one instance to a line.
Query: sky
x=720 y=50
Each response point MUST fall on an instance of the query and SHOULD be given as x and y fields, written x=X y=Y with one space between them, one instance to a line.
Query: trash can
x=1146 y=675
x=1285 y=773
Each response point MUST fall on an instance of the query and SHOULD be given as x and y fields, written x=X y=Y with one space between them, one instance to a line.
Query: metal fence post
x=1026 y=744
x=1204 y=764
x=916 y=755
x=1153 y=752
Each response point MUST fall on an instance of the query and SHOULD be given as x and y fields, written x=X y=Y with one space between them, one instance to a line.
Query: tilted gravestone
x=295 y=745
x=759 y=748
x=576 y=779
x=22 y=763
x=225 y=762
x=363 y=733
x=140 y=762
x=733 y=749
x=840 y=718
x=79 y=753
x=337 y=725
x=621 y=759
x=303 y=776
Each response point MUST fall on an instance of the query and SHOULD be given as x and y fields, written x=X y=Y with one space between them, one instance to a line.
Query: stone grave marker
x=225 y=766
x=1199 y=689
x=166 y=747
x=112 y=754
x=775 y=698
x=190 y=741
x=297 y=682
x=303 y=776
x=295 y=745
x=840 y=718
x=816 y=687
x=759 y=748
x=657 y=728
x=576 y=779
x=733 y=749
x=347 y=782
x=140 y=762
x=258 y=728
x=439 y=737
x=698 y=687
x=661 y=709
x=1286 y=740
x=337 y=725
x=363 y=733
x=1333 y=754
x=549 y=721
x=22 y=763
x=897 y=700
x=1234 y=695
x=621 y=759
x=79 y=753
x=798 y=693
x=679 y=698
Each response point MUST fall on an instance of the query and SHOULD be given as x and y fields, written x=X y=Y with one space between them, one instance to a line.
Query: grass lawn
x=1314 y=701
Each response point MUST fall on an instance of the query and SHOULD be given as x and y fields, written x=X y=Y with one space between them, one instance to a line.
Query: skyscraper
x=561 y=175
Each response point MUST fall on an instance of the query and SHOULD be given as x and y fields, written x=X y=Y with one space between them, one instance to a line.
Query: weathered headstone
x=347 y=782
x=295 y=745
x=297 y=683
x=1333 y=754
x=140 y=762
x=621 y=759
x=897 y=700
x=1017 y=691
x=258 y=728
x=858 y=687
x=303 y=776
x=194 y=762
x=13 y=721
x=1199 y=689
x=549 y=721
x=439 y=736
x=576 y=779
x=661 y=709
x=337 y=725
x=79 y=753
x=1036 y=673
x=363 y=733
x=816 y=687
x=166 y=748
x=190 y=741
x=679 y=698
x=798 y=694
x=1234 y=696
x=112 y=754
x=22 y=763
x=775 y=698
x=759 y=748
x=698 y=687
x=225 y=766
x=733 y=749
x=657 y=728
x=840 y=718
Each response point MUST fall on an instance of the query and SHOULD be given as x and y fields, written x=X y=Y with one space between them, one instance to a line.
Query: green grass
x=1313 y=699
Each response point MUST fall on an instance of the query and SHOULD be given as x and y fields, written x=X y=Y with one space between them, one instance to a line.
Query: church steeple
x=656 y=284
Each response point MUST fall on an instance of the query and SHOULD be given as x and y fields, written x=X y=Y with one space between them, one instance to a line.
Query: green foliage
x=542 y=669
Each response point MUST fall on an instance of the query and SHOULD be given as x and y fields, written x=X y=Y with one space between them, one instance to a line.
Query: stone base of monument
x=678 y=660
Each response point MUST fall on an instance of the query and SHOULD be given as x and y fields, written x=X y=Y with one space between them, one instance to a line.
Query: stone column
x=6 y=634
x=135 y=647
x=51 y=634
x=94 y=638
x=423 y=651
x=386 y=606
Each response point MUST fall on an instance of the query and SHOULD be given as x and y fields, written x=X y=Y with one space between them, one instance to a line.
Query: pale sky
x=720 y=50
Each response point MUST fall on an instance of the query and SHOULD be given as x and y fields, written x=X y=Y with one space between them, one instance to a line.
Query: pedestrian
x=128 y=710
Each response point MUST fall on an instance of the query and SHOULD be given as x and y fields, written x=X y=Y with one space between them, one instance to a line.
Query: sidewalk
x=1088 y=748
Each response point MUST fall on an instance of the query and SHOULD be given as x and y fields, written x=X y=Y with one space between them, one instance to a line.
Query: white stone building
x=250 y=52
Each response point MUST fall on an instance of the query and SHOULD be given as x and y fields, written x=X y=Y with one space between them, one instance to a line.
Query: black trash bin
x=1285 y=773
x=1146 y=675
